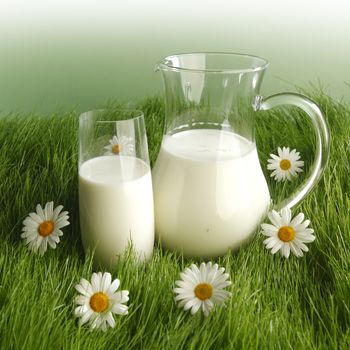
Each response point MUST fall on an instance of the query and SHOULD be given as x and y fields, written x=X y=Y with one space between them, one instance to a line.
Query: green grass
x=276 y=303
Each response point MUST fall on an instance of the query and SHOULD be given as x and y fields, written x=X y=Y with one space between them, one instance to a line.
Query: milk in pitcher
x=209 y=191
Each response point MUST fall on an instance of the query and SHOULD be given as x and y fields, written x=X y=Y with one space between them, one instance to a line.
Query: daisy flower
x=287 y=234
x=202 y=288
x=120 y=145
x=44 y=227
x=285 y=165
x=99 y=300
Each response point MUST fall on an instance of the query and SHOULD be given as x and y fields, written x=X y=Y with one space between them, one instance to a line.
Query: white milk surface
x=209 y=191
x=116 y=207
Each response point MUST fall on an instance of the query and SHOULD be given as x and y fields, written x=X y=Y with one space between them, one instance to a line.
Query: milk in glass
x=116 y=207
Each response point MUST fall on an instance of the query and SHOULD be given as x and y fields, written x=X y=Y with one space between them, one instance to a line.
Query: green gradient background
x=79 y=58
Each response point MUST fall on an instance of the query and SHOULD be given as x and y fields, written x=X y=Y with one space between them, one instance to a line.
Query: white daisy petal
x=182 y=303
x=104 y=326
x=42 y=228
x=270 y=242
x=121 y=297
x=293 y=249
x=196 y=272
x=183 y=295
x=195 y=307
x=291 y=234
x=40 y=212
x=220 y=278
x=182 y=284
x=306 y=238
x=30 y=223
x=58 y=233
x=124 y=296
x=97 y=301
x=31 y=244
x=29 y=236
x=114 y=286
x=207 y=307
x=285 y=250
x=43 y=246
x=194 y=275
x=106 y=281
x=38 y=241
x=296 y=249
x=204 y=287
x=61 y=222
x=272 y=166
x=276 y=247
x=301 y=245
x=95 y=282
x=120 y=309
x=285 y=165
x=126 y=146
x=269 y=230
x=190 y=303
x=84 y=289
x=274 y=158
x=63 y=214
x=79 y=310
x=212 y=273
x=56 y=212
x=275 y=218
x=36 y=218
x=110 y=320
x=54 y=238
x=286 y=215
x=187 y=277
x=97 y=322
x=81 y=299
x=302 y=226
x=203 y=271
x=86 y=317
x=48 y=211
x=222 y=284
x=297 y=220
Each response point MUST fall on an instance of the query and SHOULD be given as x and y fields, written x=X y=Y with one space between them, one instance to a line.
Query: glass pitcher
x=210 y=193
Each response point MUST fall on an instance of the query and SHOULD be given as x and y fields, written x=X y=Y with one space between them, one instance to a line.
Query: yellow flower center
x=46 y=228
x=116 y=149
x=285 y=164
x=286 y=233
x=99 y=302
x=203 y=291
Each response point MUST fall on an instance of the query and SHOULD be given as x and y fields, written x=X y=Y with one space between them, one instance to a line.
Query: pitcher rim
x=263 y=63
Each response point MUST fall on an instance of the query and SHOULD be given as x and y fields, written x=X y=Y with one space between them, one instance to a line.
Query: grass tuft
x=276 y=303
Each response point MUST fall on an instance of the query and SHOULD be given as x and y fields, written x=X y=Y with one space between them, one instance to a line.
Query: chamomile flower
x=120 y=145
x=285 y=165
x=44 y=227
x=286 y=234
x=99 y=300
x=202 y=288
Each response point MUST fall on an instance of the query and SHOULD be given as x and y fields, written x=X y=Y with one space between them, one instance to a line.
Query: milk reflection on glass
x=115 y=187
x=210 y=192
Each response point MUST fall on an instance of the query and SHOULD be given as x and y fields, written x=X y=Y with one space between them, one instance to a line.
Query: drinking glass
x=115 y=186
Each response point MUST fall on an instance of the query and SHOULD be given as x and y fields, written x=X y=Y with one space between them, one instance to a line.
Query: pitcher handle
x=322 y=140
